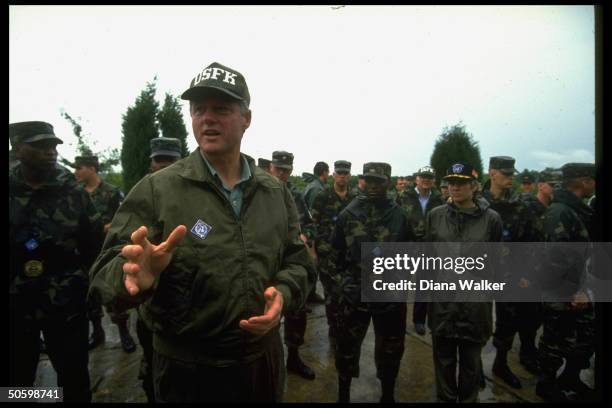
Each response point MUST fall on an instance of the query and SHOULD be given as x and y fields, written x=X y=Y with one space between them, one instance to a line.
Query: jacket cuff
x=286 y=292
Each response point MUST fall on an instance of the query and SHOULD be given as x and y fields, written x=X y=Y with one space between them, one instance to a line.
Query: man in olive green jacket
x=212 y=243
x=460 y=327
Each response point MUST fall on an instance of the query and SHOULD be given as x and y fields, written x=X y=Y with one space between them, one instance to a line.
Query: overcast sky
x=360 y=83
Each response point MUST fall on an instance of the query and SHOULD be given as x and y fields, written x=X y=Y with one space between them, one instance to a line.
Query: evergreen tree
x=455 y=145
x=139 y=127
x=171 y=122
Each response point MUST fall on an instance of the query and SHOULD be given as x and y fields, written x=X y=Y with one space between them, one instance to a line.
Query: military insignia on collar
x=201 y=229
x=457 y=168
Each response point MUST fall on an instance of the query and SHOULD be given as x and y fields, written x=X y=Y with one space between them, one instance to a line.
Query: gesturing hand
x=145 y=261
x=260 y=325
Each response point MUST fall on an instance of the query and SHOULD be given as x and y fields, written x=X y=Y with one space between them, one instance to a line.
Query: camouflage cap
x=550 y=176
x=165 y=146
x=221 y=78
x=29 y=132
x=460 y=172
x=89 y=160
x=443 y=184
x=526 y=178
x=282 y=159
x=377 y=170
x=505 y=164
x=342 y=165
x=263 y=163
x=426 y=171
x=576 y=170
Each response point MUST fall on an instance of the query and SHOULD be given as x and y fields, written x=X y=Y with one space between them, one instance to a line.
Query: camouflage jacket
x=534 y=204
x=326 y=207
x=567 y=219
x=307 y=227
x=55 y=234
x=409 y=201
x=462 y=320
x=107 y=199
x=365 y=221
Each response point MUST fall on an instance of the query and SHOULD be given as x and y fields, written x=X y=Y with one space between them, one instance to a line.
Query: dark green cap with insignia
x=377 y=170
x=165 y=146
x=221 y=78
x=29 y=132
x=263 y=163
x=283 y=160
x=576 y=170
x=505 y=164
x=460 y=172
x=89 y=160
x=342 y=165
x=526 y=178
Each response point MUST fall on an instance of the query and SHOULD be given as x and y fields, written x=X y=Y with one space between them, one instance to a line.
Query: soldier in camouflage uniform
x=55 y=234
x=527 y=183
x=295 y=322
x=164 y=152
x=568 y=327
x=411 y=181
x=326 y=207
x=547 y=182
x=371 y=217
x=106 y=198
x=520 y=224
x=264 y=164
x=417 y=202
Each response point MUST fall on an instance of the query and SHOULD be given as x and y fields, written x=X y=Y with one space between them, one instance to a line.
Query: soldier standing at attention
x=520 y=224
x=107 y=199
x=164 y=152
x=326 y=207
x=417 y=202
x=55 y=233
x=569 y=329
x=460 y=328
x=372 y=217
x=212 y=242
x=295 y=322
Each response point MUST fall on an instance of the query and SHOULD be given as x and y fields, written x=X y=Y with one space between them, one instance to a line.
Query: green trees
x=143 y=122
x=139 y=127
x=171 y=122
x=454 y=145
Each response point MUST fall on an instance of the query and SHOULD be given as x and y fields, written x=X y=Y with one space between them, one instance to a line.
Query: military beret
x=460 y=172
x=576 y=170
x=29 y=132
x=282 y=159
x=89 y=160
x=221 y=78
x=165 y=146
x=426 y=171
x=505 y=164
x=377 y=170
x=263 y=163
x=342 y=165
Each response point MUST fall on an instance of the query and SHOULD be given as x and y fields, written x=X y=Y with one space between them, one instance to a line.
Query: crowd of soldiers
x=58 y=229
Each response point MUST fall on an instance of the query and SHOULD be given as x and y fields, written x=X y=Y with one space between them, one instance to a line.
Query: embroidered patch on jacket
x=201 y=229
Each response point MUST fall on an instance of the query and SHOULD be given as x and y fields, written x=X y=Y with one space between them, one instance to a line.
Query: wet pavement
x=114 y=373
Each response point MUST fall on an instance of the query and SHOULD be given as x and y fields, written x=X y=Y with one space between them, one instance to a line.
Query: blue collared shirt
x=423 y=200
x=233 y=195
